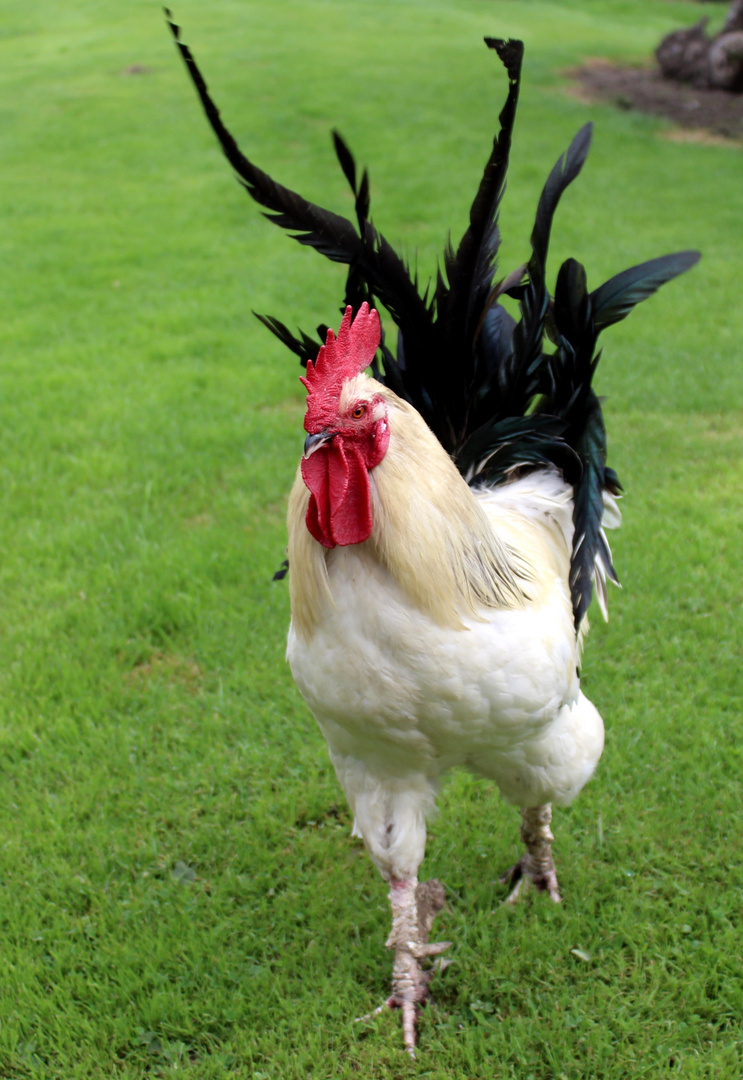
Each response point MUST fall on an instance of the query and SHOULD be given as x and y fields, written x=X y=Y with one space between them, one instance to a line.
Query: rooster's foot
x=414 y=907
x=536 y=866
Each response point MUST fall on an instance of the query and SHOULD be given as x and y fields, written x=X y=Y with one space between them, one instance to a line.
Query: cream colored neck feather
x=429 y=532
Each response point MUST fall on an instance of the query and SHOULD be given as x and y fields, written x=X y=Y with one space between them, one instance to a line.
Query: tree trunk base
x=716 y=63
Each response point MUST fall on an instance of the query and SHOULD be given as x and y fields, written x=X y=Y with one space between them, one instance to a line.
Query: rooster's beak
x=314 y=442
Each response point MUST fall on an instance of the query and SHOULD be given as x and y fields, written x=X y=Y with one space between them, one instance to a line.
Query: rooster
x=446 y=524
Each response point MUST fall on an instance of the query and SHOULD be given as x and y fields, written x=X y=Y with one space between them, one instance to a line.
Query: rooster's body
x=413 y=664
x=446 y=527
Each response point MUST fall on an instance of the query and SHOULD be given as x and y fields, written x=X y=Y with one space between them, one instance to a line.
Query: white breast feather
x=401 y=698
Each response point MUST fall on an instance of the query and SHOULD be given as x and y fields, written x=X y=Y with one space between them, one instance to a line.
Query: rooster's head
x=347 y=432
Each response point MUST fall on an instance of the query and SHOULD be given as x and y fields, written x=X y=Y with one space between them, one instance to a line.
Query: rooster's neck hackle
x=429 y=534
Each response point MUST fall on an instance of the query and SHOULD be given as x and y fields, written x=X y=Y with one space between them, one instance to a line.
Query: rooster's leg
x=536 y=866
x=414 y=907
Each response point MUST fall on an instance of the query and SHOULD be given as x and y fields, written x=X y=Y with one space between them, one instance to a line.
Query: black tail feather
x=304 y=346
x=578 y=319
x=361 y=191
x=589 y=542
x=470 y=272
x=565 y=170
x=524 y=370
x=482 y=382
x=330 y=234
x=614 y=300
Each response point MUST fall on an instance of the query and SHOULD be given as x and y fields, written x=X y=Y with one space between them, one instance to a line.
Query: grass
x=179 y=891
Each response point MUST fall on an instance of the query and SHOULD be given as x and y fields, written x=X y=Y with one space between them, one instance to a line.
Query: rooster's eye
x=358 y=412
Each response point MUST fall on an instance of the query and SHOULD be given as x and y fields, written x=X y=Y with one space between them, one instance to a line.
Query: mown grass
x=179 y=888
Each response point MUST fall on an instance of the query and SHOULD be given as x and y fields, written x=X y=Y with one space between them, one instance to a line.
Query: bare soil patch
x=715 y=112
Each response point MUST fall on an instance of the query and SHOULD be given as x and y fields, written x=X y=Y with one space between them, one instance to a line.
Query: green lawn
x=179 y=891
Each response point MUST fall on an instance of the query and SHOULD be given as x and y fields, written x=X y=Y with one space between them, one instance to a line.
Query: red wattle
x=339 y=512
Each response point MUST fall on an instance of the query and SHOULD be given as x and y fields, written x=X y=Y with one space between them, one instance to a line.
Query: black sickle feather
x=442 y=373
x=304 y=346
x=455 y=371
x=357 y=286
x=614 y=300
x=565 y=170
x=571 y=368
x=470 y=272
x=570 y=396
x=330 y=234
x=346 y=159
x=520 y=375
x=360 y=191
x=588 y=539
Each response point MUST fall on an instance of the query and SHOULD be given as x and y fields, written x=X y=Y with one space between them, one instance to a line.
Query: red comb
x=340 y=358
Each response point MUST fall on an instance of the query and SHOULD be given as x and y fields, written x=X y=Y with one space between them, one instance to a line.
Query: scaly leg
x=536 y=866
x=414 y=907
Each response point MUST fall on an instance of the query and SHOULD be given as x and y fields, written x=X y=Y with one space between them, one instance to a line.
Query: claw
x=414 y=907
x=375 y=1012
x=522 y=877
x=431 y=948
x=536 y=866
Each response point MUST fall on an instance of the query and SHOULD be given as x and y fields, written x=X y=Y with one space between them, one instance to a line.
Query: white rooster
x=446 y=525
